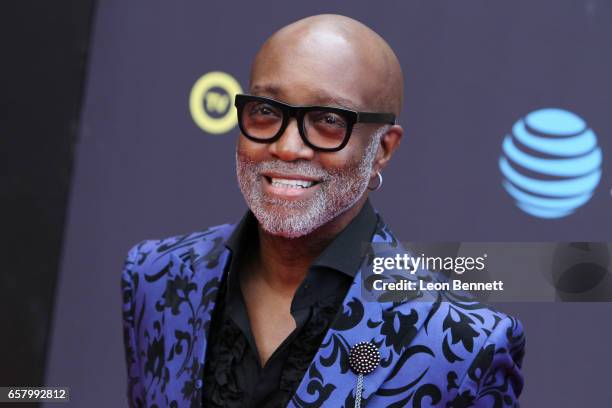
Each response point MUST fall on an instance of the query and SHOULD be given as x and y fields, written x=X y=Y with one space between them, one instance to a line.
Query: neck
x=283 y=262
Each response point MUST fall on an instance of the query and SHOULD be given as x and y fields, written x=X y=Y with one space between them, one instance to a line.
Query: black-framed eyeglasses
x=323 y=128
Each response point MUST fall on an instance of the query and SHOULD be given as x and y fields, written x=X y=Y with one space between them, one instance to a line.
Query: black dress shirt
x=233 y=375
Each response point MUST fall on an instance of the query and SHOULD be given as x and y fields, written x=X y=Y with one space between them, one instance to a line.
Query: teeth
x=288 y=183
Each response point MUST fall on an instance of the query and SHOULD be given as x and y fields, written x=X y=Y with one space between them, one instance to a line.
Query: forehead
x=315 y=69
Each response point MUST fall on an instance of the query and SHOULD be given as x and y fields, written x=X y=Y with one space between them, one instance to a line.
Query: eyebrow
x=319 y=97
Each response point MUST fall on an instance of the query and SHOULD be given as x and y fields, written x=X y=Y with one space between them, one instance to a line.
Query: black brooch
x=364 y=357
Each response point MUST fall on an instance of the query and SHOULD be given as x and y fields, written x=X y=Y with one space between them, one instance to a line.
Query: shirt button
x=198 y=384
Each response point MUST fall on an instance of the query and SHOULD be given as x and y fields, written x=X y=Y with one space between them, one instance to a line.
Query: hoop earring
x=379 y=185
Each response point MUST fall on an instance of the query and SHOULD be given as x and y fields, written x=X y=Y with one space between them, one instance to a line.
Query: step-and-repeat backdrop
x=508 y=138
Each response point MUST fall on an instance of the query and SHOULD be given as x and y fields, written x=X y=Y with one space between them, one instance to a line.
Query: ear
x=389 y=142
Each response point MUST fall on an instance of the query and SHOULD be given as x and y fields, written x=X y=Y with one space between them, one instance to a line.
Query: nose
x=290 y=146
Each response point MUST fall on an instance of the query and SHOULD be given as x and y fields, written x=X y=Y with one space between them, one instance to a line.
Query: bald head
x=340 y=58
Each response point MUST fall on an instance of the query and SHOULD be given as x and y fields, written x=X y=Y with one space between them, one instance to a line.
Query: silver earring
x=379 y=185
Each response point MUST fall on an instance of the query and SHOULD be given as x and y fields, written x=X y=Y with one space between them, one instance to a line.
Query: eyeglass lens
x=324 y=129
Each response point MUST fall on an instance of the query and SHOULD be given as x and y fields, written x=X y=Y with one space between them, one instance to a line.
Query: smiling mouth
x=290 y=183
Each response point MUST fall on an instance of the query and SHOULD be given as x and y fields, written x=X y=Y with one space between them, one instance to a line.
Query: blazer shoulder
x=151 y=254
x=466 y=319
x=495 y=370
x=466 y=344
x=462 y=329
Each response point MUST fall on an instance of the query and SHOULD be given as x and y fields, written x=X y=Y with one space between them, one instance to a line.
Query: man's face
x=292 y=189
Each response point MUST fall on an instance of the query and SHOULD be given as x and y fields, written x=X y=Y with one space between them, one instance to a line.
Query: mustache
x=296 y=168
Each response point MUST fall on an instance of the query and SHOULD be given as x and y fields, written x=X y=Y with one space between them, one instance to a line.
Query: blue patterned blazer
x=445 y=352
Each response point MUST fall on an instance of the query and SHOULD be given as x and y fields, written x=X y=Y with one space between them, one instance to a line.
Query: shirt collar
x=346 y=251
x=245 y=229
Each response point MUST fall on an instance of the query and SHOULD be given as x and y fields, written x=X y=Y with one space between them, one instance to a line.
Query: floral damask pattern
x=442 y=350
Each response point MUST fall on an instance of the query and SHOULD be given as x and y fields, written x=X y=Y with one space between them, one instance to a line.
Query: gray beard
x=338 y=191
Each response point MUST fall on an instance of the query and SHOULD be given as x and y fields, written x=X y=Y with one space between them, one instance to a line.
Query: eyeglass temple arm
x=367 y=117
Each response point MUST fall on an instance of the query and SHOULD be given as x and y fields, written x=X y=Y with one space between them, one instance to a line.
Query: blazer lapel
x=192 y=288
x=329 y=381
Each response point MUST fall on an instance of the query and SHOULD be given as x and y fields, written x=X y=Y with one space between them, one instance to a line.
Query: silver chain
x=358 y=391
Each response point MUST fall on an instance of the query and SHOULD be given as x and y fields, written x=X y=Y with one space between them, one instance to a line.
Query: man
x=269 y=312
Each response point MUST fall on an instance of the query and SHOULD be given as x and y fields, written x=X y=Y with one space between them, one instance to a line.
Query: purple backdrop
x=144 y=169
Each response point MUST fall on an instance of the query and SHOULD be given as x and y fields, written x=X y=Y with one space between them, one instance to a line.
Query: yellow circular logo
x=211 y=102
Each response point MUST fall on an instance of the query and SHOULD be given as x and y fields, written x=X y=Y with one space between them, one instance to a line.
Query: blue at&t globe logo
x=551 y=163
